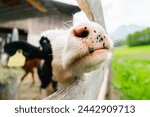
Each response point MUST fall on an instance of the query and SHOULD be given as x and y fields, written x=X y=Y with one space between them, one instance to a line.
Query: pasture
x=131 y=72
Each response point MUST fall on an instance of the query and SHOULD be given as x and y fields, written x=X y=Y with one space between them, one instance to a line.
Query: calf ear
x=80 y=17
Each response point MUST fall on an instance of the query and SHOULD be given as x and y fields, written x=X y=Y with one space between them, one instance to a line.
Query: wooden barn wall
x=35 y=26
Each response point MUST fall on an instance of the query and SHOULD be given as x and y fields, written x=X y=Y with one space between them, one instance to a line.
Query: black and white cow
x=78 y=50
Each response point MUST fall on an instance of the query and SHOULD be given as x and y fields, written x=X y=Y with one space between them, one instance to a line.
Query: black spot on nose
x=95 y=31
x=104 y=46
x=91 y=50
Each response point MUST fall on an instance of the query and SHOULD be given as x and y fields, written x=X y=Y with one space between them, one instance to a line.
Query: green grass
x=131 y=71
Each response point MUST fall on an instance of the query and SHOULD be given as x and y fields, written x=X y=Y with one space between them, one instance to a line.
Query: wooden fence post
x=93 y=10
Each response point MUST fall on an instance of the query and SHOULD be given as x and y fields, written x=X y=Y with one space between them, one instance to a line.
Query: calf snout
x=93 y=37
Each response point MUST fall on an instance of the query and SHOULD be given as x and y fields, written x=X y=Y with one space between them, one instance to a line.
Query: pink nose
x=92 y=38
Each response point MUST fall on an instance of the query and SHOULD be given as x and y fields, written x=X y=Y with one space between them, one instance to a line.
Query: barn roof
x=21 y=9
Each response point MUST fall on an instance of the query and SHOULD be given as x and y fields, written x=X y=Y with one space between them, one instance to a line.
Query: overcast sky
x=120 y=12
x=124 y=12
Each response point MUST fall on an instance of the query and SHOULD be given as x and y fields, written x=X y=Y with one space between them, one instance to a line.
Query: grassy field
x=131 y=71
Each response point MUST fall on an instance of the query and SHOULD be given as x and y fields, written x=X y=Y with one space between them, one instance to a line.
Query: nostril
x=81 y=33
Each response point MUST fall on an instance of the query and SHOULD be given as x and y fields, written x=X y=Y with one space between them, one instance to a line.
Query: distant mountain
x=124 y=30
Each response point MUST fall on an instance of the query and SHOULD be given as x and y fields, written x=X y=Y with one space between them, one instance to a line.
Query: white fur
x=80 y=17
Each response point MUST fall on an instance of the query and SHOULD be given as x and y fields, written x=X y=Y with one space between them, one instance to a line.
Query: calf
x=78 y=50
x=34 y=55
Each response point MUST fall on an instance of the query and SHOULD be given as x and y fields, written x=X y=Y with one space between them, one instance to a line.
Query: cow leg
x=24 y=76
x=33 y=77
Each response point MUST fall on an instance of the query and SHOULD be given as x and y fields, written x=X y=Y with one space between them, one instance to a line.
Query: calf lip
x=97 y=52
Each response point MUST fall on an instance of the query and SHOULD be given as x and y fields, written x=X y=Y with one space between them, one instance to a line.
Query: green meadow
x=131 y=72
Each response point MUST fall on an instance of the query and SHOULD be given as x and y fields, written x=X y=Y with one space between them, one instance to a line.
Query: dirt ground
x=28 y=91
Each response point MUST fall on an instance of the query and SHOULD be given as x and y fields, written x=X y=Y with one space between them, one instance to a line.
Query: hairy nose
x=91 y=37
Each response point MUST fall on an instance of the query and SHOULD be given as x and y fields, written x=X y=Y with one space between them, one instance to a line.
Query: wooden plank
x=93 y=10
x=86 y=8
x=37 y=5
x=104 y=86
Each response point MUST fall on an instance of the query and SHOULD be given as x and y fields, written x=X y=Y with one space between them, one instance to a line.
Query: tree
x=139 y=38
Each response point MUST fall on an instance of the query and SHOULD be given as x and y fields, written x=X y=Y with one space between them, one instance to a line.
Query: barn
x=25 y=20
x=34 y=17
